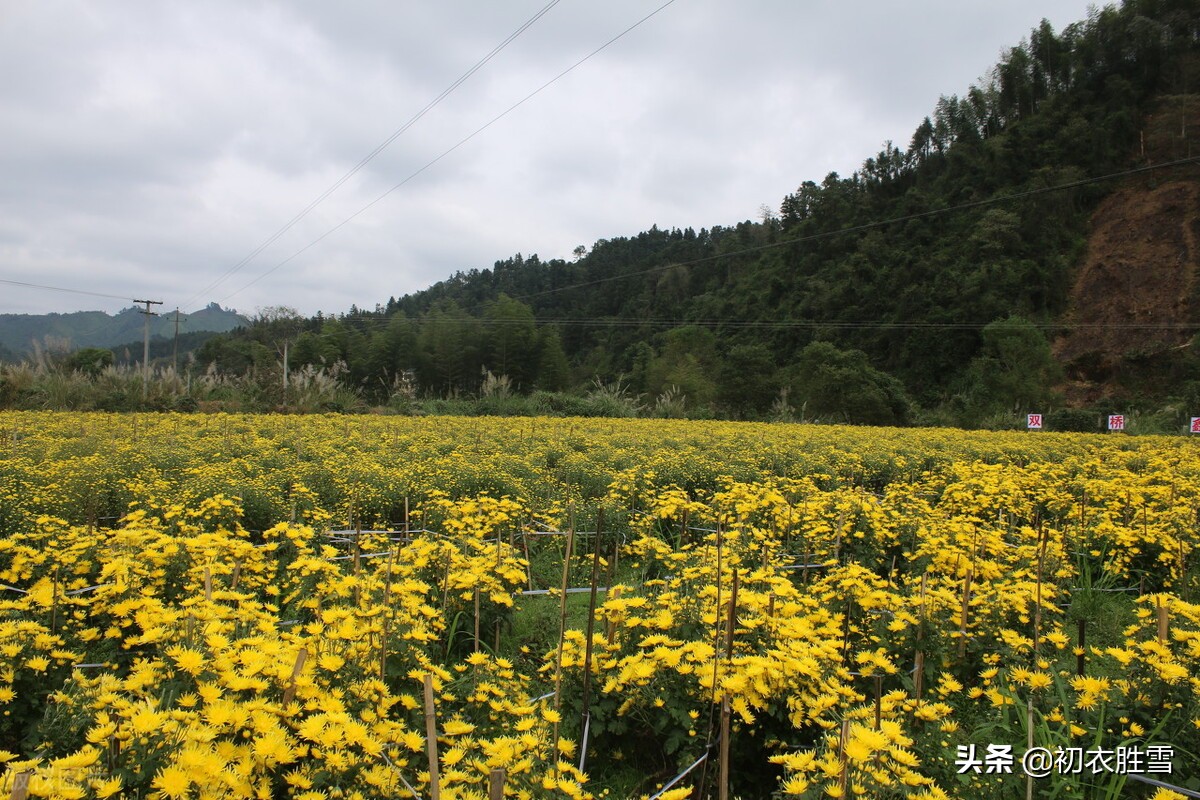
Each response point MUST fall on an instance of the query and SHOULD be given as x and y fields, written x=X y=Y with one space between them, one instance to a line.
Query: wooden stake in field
x=525 y=547
x=837 y=544
x=114 y=753
x=1081 y=659
x=54 y=603
x=962 y=617
x=20 y=790
x=919 y=661
x=732 y=622
x=496 y=784
x=435 y=789
x=387 y=616
x=845 y=734
x=587 y=652
x=289 y=694
x=716 y=661
x=1037 y=612
x=804 y=567
x=610 y=627
x=357 y=563
x=562 y=626
x=726 y=717
x=878 y=700
x=1029 y=742
x=1164 y=620
x=846 y=626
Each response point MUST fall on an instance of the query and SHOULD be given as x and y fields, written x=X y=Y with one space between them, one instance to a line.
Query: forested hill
x=21 y=334
x=946 y=271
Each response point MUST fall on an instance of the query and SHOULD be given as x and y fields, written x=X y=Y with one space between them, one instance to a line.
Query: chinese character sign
x=1041 y=762
x=1195 y=428
x=1116 y=422
x=1033 y=422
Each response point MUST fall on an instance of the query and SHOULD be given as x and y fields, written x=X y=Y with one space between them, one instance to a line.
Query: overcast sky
x=147 y=149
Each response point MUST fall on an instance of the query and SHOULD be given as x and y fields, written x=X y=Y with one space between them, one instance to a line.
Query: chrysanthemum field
x=271 y=606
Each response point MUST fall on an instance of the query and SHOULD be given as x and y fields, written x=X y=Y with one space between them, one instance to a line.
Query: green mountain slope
x=941 y=271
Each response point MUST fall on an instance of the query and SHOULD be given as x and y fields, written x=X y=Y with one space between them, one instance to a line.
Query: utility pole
x=146 y=344
x=175 y=349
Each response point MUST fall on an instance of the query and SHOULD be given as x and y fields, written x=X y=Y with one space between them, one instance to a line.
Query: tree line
x=815 y=309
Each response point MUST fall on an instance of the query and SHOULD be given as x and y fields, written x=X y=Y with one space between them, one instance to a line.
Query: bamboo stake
x=610 y=627
x=387 y=616
x=1081 y=659
x=616 y=556
x=732 y=623
x=846 y=627
x=1163 y=621
x=723 y=787
x=1037 y=613
x=289 y=694
x=962 y=617
x=357 y=561
x=207 y=583
x=54 y=603
x=717 y=617
x=919 y=672
x=476 y=619
x=435 y=789
x=237 y=574
x=845 y=734
x=718 y=536
x=525 y=547
x=1082 y=512
x=1029 y=742
x=587 y=653
x=570 y=540
x=807 y=558
x=837 y=545
x=878 y=700
x=562 y=625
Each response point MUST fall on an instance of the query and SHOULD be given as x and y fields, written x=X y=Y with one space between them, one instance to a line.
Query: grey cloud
x=153 y=146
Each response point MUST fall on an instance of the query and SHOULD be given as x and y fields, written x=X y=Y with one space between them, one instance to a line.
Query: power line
x=370 y=156
x=450 y=150
x=64 y=289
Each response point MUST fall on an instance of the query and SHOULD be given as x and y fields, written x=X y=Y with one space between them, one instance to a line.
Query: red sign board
x=1033 y=422
x=1116 y=422
x=1195 y=425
